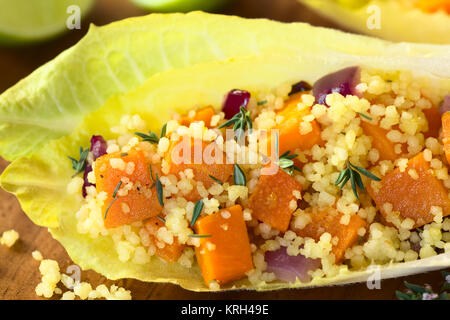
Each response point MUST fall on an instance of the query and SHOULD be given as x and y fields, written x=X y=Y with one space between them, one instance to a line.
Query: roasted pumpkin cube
x=190 y=154
x=225 y=255
x=385 y=147
x=294 y=132
x=412 y=197
x=131 y=170
x=446 y=134
x=329 y=220
x=204 y=114
x=170 y=252
x=434 y=122
x=273 y=200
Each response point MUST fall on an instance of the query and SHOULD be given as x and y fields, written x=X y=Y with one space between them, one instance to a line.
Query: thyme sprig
x=215 y=179
x=239 y=121
x=163 y=130
x=115 y=197
x=286 y=163
x=150 y=137
x=352 y=173
x=194 y=235
x=365 y=116
x=80 y=165
x=426 y=292
x=239 y=176
x=197 y=210
x=161 y=219
x=159 y=191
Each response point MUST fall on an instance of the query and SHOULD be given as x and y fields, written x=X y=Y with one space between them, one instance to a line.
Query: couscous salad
x=357 y=175
x=278 y=164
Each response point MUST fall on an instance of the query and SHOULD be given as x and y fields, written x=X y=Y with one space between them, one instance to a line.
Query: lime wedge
x=179 y=5
x=23 y=21
x=354 y=4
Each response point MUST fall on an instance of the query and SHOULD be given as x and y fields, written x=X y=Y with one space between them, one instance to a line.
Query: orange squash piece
x=270 y=201
x=434 y=122
x=410 y=197
x=432 y=6
x=385 y=147
x=329 y=221
x=226 y=255
x=178 y=161
x=289 y=136
x=170 y=252
x=141 y=202
x=446 y=134
x=204 y=114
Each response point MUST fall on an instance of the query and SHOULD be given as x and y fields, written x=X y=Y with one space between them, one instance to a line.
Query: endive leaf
x=119 y=57
x=40 y=180
x=398 y=21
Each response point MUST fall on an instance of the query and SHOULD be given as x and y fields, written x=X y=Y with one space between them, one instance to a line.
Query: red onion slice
x=289 y=268
x=234 y=100
x=445 y=105
x=85 y=178
x=98 y=149
x=343 y=81
x=98 y=146
x=301 y=86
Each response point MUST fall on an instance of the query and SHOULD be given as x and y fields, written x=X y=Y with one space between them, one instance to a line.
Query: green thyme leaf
x=150 y=137
x=285 y=163
x=239 y=121
x=239 y=176
x=368 y=174
x=360 y=239
x=151 y=173
x=115 y=197
x=346 y=178
x=260 y=103
x=228 y=123
x=163 y=130
x=285 y=160
x=342 y=175
x=159 y=191
x=161 y=218
x=80 y=165
x=215 y=179
x=353 y=184
x=443 y=296
x=117 y=189
x=415 y=288
x=197 y=210
x=402 y=296
x=193 y=235
x=359 y=182
x=365 y=116
x=352 y=173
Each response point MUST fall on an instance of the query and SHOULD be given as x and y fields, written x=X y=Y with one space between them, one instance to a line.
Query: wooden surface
x=19 y=273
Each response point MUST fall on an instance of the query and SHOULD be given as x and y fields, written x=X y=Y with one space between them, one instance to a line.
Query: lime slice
x=24 y=21
x=179 y=5
x=352 y=3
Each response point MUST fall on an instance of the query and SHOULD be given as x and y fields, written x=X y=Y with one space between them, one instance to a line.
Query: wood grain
x=19 y=273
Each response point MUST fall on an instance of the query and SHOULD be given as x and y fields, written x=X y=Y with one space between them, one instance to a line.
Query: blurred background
x=18 y=60
x=18 y=271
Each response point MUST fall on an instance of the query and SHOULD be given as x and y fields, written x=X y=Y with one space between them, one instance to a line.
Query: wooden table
x=19 y=272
